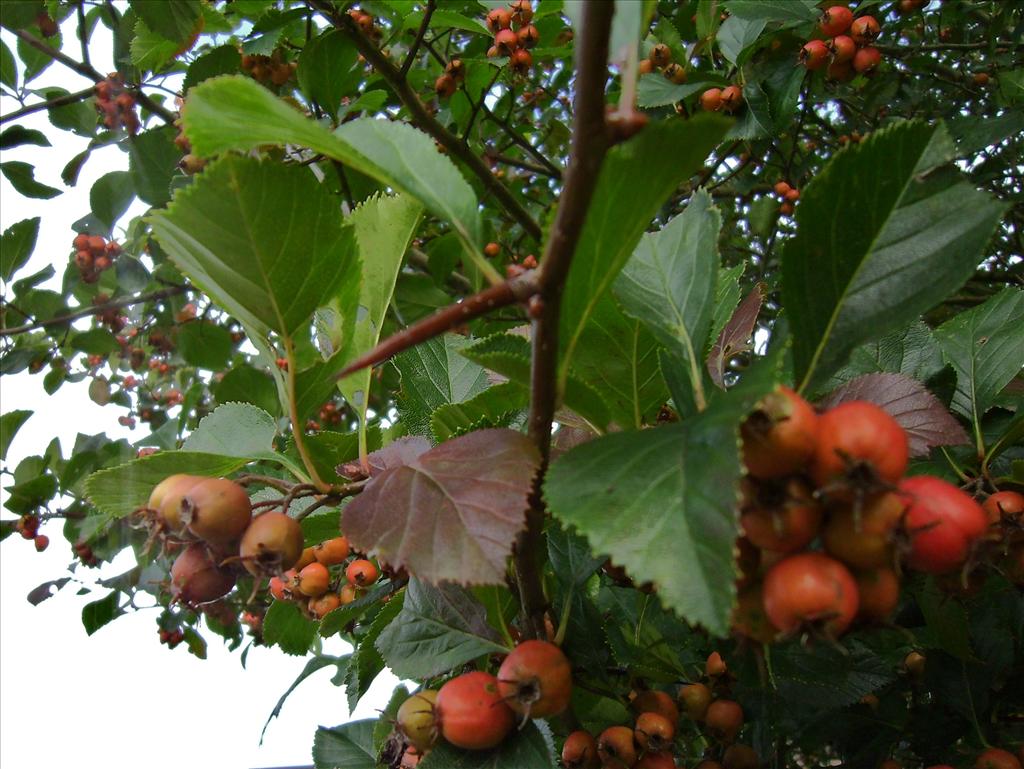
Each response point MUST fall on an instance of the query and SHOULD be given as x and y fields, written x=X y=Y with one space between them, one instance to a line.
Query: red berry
x=499 y=19
x=616 y=748
x=780 y=436
x=814 y=54
x=580 y=751
x=810 y=588
x=711 y=100
x=867 y=60
x=842 y=48
x=361 y=572
x=41 y=542
x=864 y=30
x=835 y=20
x=536 y=679
x=724 y=720
x=506 y=41
x=472 y=713
x=860 y=449
x=941 y=521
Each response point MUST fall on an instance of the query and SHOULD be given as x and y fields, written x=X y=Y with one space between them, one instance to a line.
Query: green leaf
x=384 y=226
x=17 y=136
x=366 y=663
x=435 y=373
x=912 y=231
x=10 y=423
x=22 y=178
x=8 y=68
x=911 y=351
x=17 y=14
x=773 y=10
x=727 y=297
x=233 y=430
x=16 y=246
x=655 y=90
x=945 y=618
x=439 y=629
x=119 y=491
x=618 y=358
x=327 y=71
x=636 y=179
x=329 y=449
x=223 y=60
x=509 y=355
x=491 y=408
x=827 y=678
x=342 y=617
x=985 y=346
x=669 y=284
x=110 y=197
x=349 y=746
x=530 y=747
x=737 y=34
x=95 y=341
x=284 y=625
x=245 y=384
x=205 y=345
x=443 y=18
x=152 y=162
x=173 y=19
x=98 y=613
x=149 y=49
x=264 y=240
x=661 y=503
x=234 y=113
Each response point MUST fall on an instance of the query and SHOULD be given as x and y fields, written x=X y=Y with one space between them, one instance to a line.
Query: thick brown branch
x=85 y=312
x=589 y=145
x=518 y=289
x=57 y=101
x=421 y=117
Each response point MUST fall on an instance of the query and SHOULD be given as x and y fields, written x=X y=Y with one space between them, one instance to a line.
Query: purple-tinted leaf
x=735 y=337
x=395 y=454
x=451 y=513
x=928 y=423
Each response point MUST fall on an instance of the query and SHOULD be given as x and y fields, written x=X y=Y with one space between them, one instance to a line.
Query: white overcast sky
x=119 y=699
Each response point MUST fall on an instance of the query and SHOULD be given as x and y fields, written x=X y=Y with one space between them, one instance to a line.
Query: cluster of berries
x=454 y=73
x=329 y=415
x=171 y=637
x=212 y=518
x=478 y=710
x=312 y=584
x=514 y=270
x=514 y=34
x=788 y=195
x=365 y=23
x=28 y=527
x=838 y=478
x=85 y=554
x=116 y=104
x=650 y=742
x=93 y=255
x=268 y=69
x=848 y=49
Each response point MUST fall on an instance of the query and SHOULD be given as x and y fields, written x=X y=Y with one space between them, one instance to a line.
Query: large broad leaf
x=985 y=346
x=636 y=179
x=118 y=491
x=266 y=241
x=530 y=747
x=826 y=677
x=384 y=227
x=434 y=374
x=618 y=357
x=286 y=626
x=327 y=71
x=367 y=663
x=886 y=231
x=773 y=10
x=312 y=666
x=152 y=162
x=234 y=430
x=661 y=503
x=509 y=355
x=737 y=34
x=495 y=407
x=925 y=420
x=453 y=512
x=234 y=113
x=22 y=177
x=438 y=629
x=669 y=284
x=16 y=246
x=911 y=351
x=349 y=746
x=10 y=423
x=173 y=19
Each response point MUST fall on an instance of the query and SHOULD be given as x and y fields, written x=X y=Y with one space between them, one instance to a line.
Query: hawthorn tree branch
x=57 y=101
x=588 y=148
x=90 y=72
x=414 y=48
x=420 y=116
x=85 y=312
x=518 y=289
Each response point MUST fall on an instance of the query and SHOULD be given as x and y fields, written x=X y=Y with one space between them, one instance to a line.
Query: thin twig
x=85 y=312
x=589 y=145
x=414 y=48
x=421 y=117
x=57 y=101
x=518 y=289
